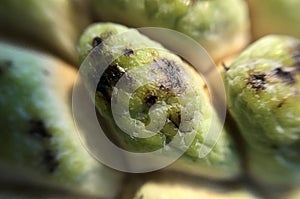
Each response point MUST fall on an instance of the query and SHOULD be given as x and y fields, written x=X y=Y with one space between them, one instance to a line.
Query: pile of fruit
x=255 y=45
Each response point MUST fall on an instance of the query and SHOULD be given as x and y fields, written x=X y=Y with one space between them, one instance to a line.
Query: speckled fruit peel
x=171 y=84
x=263 y=90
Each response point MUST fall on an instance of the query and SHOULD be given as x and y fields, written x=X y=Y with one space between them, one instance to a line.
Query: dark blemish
x=286 y=76
x=37 y=129
x=257 y=81
x=226 y=68
x=4 y=65
x=49 y=159
x=274 y=146
x=150 y=100
x=281 y=103
x=128 y=52
x=97 y=41
x=109 y=79
x=168 y=74
x=176 y=122
x=163 y=88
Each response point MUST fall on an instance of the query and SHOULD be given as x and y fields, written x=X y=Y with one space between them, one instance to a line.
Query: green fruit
x=51 y=25
x=263 y=86
x=184 y=189
x=214 y=24
x=37 y=130
x=159 y=93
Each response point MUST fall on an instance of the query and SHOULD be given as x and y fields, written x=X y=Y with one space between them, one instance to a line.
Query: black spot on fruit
x=97 y=41
x=176 y=119
x=285 y=76
x=257 y=81
x=274 y=146
x=280 y=104
x=161 y=87
x=37 y=129
x=109 y=79
x=150 y=100
x=50 y=160
x=226 y=68
x=128 y=52
x=4 y=65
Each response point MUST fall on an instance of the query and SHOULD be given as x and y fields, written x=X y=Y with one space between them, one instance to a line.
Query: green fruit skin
x=222 y=162
x=37 y=130
x=211 y=23
x=51 y=25
x=262 y=87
